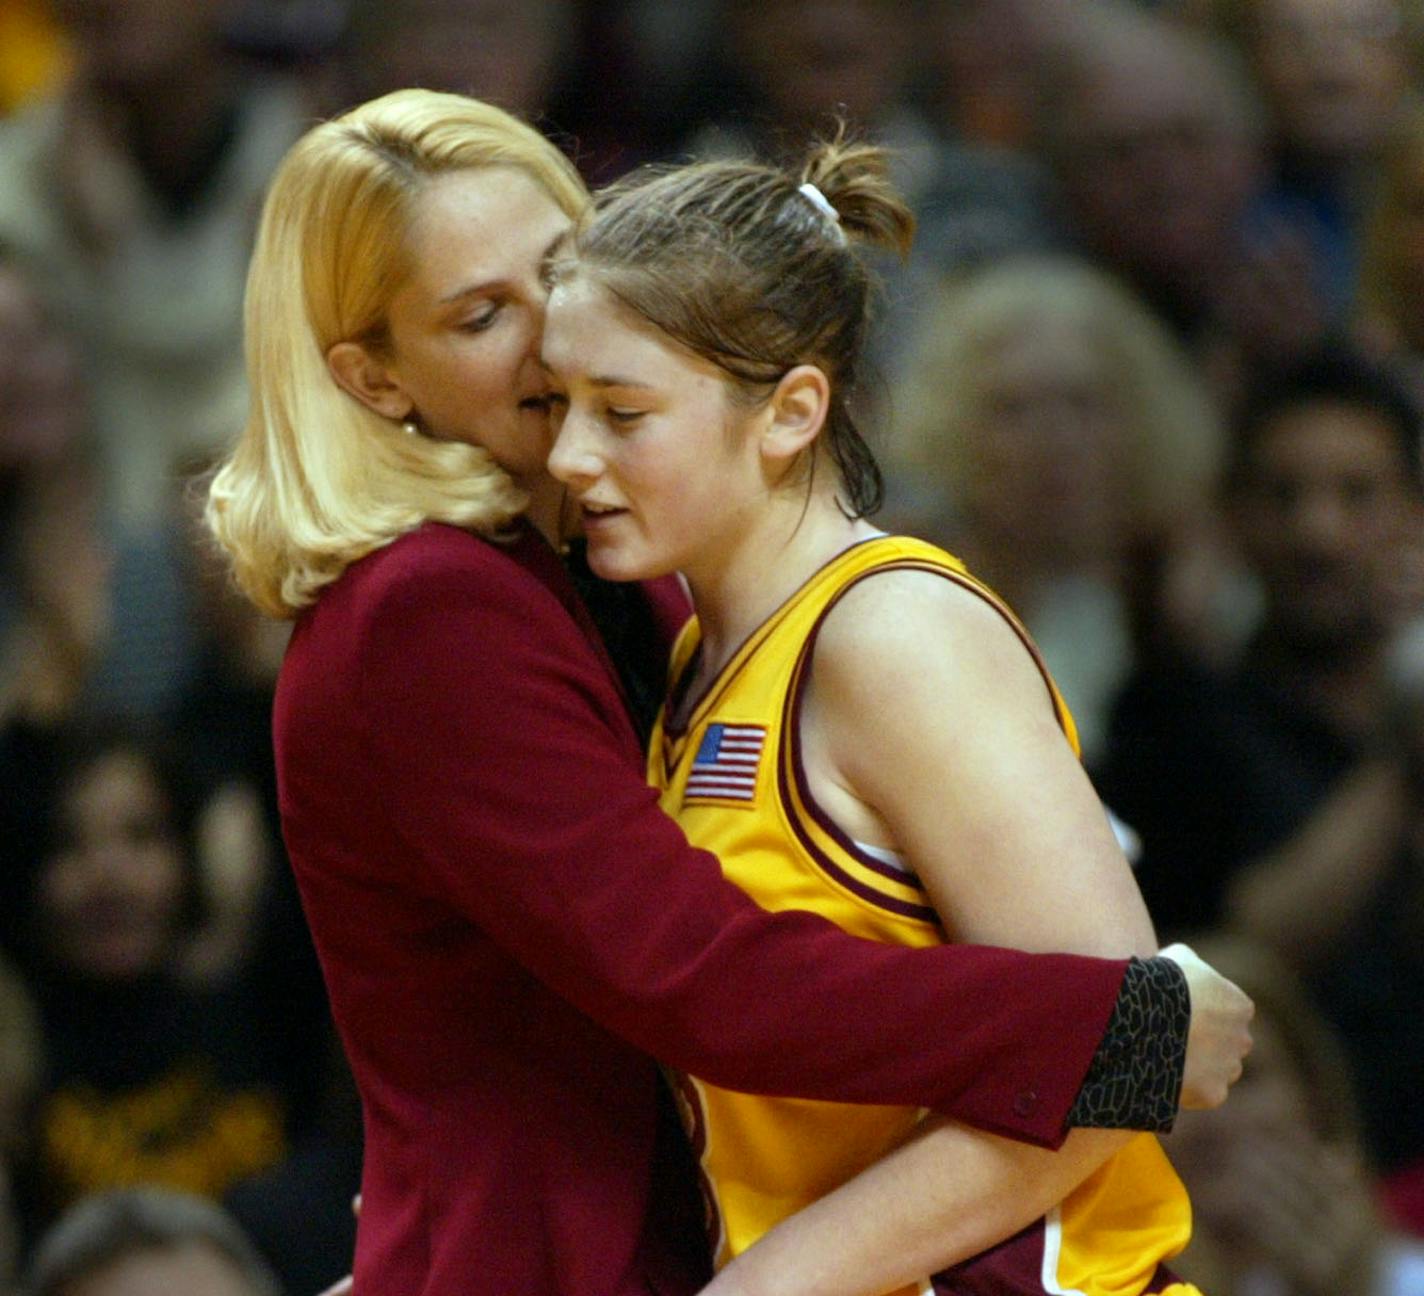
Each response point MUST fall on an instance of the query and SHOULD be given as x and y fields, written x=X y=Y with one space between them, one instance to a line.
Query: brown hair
x=734 y=262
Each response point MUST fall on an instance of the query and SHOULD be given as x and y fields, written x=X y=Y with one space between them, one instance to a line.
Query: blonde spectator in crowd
x=1050 y=431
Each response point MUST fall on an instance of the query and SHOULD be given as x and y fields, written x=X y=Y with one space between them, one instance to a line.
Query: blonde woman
x=1050 y=431
x=503 y=915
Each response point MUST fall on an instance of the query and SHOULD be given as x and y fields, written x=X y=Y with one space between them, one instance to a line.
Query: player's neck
x=785 y=544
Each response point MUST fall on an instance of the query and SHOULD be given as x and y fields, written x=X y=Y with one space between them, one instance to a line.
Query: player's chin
x=612 y=561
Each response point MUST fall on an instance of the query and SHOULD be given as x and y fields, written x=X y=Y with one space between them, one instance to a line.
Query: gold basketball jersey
x=733 y=779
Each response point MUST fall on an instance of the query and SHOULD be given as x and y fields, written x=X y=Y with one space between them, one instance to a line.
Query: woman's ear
x=798 y=410
x=356 y=370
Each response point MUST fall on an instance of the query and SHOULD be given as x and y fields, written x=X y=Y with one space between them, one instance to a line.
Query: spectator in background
x=1335 y=76
x=1050 y=432
x=1279 y=795
x=42 y=414
x=1154 y=140
x=151 y=1078
x=982 y=60
x=146 y=1242
x=133 y=190
x=55 y=596
x=1284 y=1203
x=59 y=567
x=43 y=417
x=514 y=54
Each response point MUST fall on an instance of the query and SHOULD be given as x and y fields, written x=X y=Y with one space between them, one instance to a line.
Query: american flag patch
x=725 y=767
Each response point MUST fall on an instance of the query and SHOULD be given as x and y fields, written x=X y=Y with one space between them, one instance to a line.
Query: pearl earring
x=409 y=428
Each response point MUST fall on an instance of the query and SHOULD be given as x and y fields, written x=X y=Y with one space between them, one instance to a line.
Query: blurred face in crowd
x=1324 y=516
x=1334 y=71
x=41 y=415
x=983 y=59
x=111 y=890
x=193 y=1270
x=1157 y=161
x=1044 y=462
x=129 y=46
x=813 y=57
x=507 y=53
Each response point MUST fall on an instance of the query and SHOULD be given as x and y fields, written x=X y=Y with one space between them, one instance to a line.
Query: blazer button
x=1026 y=1103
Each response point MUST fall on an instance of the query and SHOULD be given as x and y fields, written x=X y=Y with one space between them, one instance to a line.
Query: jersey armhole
x=867 y=873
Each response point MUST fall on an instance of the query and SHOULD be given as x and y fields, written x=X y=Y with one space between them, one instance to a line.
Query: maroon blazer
x=510 y=930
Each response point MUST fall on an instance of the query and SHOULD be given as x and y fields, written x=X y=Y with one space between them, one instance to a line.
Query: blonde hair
x=317 y=480
x=1174 y=437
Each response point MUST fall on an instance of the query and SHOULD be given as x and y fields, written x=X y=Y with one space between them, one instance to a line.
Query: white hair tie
x=819 y=201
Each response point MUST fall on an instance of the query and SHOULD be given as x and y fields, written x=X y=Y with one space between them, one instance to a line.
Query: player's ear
x=796 y=412
x=367 y=377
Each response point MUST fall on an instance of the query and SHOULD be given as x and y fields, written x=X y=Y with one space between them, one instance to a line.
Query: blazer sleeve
x=513 y=784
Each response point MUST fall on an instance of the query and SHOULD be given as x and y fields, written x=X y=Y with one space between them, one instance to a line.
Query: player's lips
x=593 y=514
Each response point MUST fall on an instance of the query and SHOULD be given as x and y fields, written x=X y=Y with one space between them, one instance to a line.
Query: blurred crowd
x=1155 y=370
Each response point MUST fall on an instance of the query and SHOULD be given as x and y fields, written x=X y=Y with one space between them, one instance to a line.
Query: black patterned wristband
x=1135 y=1079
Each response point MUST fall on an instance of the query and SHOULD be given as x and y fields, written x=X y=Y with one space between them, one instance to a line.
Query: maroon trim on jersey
x=751 y=645
x=790 y=755
x=1013 y=1268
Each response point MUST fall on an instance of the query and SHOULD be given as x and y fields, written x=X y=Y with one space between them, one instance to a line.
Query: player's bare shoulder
x=900 y=623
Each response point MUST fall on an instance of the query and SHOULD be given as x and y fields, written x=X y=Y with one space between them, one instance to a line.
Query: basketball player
x=855 y=725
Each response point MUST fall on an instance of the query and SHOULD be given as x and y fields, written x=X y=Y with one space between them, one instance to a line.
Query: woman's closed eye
x=479 y=320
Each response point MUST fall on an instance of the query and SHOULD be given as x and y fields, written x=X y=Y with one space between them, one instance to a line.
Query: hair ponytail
x=854 y=179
